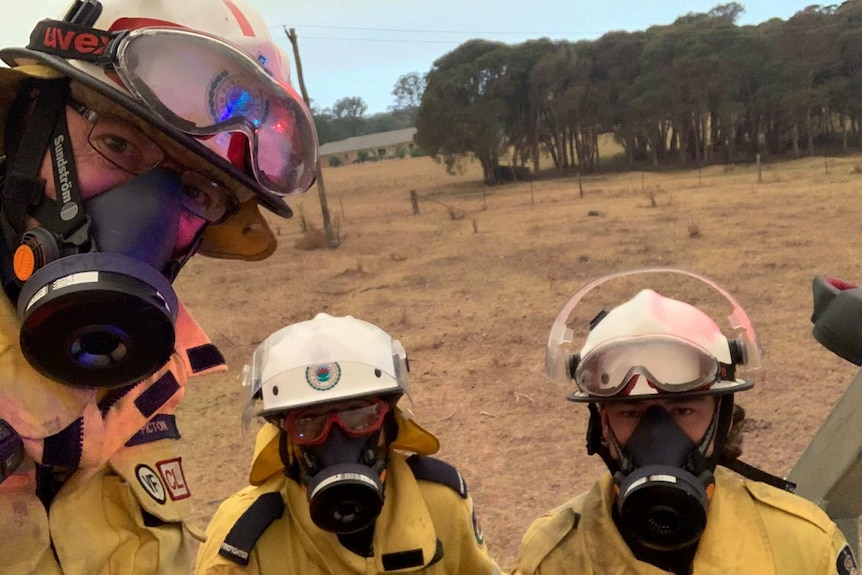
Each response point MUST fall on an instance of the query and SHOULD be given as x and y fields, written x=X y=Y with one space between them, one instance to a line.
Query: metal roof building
x=382 y=140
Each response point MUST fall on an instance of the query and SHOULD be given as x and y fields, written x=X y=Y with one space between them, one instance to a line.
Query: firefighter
x=659 y=377
x=135 y=134
x=332 y=490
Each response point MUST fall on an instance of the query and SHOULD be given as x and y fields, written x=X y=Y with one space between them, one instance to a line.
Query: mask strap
x=23 y=187
x=595 y=440
x=719 y=429
x=65 y=215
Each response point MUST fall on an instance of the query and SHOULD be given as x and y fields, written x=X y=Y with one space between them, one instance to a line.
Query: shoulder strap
x=750 y=472
x=250 y=527
x=437 y=471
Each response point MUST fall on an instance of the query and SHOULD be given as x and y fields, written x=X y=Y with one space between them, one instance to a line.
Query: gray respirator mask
x=342 y=480
x=664 y=484
x=93 y=283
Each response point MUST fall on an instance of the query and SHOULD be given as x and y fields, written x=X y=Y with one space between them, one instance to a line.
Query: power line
x=399 y=41
x=424 y=31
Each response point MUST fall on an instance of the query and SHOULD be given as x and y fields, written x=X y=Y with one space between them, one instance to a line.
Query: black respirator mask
x=665 y=484
x=93 y=283
x=343 y=481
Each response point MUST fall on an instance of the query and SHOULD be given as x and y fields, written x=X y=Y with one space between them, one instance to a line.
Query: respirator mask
x=93 y=281
x=665 y=483
x=341 y=461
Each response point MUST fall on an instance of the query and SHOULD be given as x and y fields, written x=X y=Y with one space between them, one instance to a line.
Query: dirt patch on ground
x=473 y=299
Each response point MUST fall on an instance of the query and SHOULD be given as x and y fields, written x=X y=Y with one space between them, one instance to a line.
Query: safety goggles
x=128 y=148
x=311 y=426
x=668 y=363
x=205 y=86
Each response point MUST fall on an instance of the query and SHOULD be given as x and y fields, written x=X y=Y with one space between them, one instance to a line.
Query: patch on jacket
x=437 y=471
x=162 y=426
x=845 y=564
x=250 y=526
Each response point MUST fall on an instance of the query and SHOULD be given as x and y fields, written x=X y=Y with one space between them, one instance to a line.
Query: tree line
x=701 y=90
x=346 y=118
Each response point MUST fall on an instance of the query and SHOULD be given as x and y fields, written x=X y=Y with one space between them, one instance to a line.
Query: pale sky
x=352 y=48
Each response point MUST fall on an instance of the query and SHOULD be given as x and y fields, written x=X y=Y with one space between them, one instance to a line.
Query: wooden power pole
x=321 y=188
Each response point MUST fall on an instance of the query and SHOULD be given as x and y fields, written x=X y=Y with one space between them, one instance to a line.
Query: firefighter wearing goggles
x=659 y=376
x=331 y=489
x=135 y=134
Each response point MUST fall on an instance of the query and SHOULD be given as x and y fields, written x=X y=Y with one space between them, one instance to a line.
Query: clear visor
x=668 y=363
x=562 y=345
x=206 y=86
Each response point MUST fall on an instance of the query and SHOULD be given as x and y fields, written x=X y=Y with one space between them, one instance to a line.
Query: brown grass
x=473 y=306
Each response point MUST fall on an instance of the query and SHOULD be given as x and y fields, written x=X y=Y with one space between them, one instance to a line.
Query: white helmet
x=323 y=360
x=652 y=345
x=208 y=77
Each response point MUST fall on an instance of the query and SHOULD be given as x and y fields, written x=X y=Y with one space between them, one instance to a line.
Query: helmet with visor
x=209 y=85
x=652 y=345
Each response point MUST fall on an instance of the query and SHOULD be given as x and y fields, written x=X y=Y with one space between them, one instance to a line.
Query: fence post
x=759 y=178
x=414 y=199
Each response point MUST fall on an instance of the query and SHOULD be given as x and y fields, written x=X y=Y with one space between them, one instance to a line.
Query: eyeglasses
x=668 y=363
x=312 y=426
x=132 y=151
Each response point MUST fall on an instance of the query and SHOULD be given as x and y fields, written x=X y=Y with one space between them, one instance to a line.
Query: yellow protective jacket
x=122 y=507
x=425 y=526
x=752 y=529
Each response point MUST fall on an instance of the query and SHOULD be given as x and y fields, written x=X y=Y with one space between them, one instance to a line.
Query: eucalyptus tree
x=464 y=106
x=558 y=83
x=616 y=66
x=523 y=105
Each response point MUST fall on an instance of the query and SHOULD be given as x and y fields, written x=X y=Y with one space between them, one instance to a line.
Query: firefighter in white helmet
x=332 y=489
x=135 y=133
x=659 y=376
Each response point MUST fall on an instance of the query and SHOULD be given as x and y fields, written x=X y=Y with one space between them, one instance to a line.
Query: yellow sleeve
x=542 y=537
x=844 y=561
x=474 y=557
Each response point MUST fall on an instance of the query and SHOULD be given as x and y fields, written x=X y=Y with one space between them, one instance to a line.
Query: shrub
x=417 y=152
x=363 y=156
x=400 y=152
x=334 y=161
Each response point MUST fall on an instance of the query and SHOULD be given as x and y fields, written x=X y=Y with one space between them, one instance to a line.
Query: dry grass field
x=472 y=285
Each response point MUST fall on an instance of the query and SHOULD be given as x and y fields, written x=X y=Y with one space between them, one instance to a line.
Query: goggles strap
x=73 y=41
